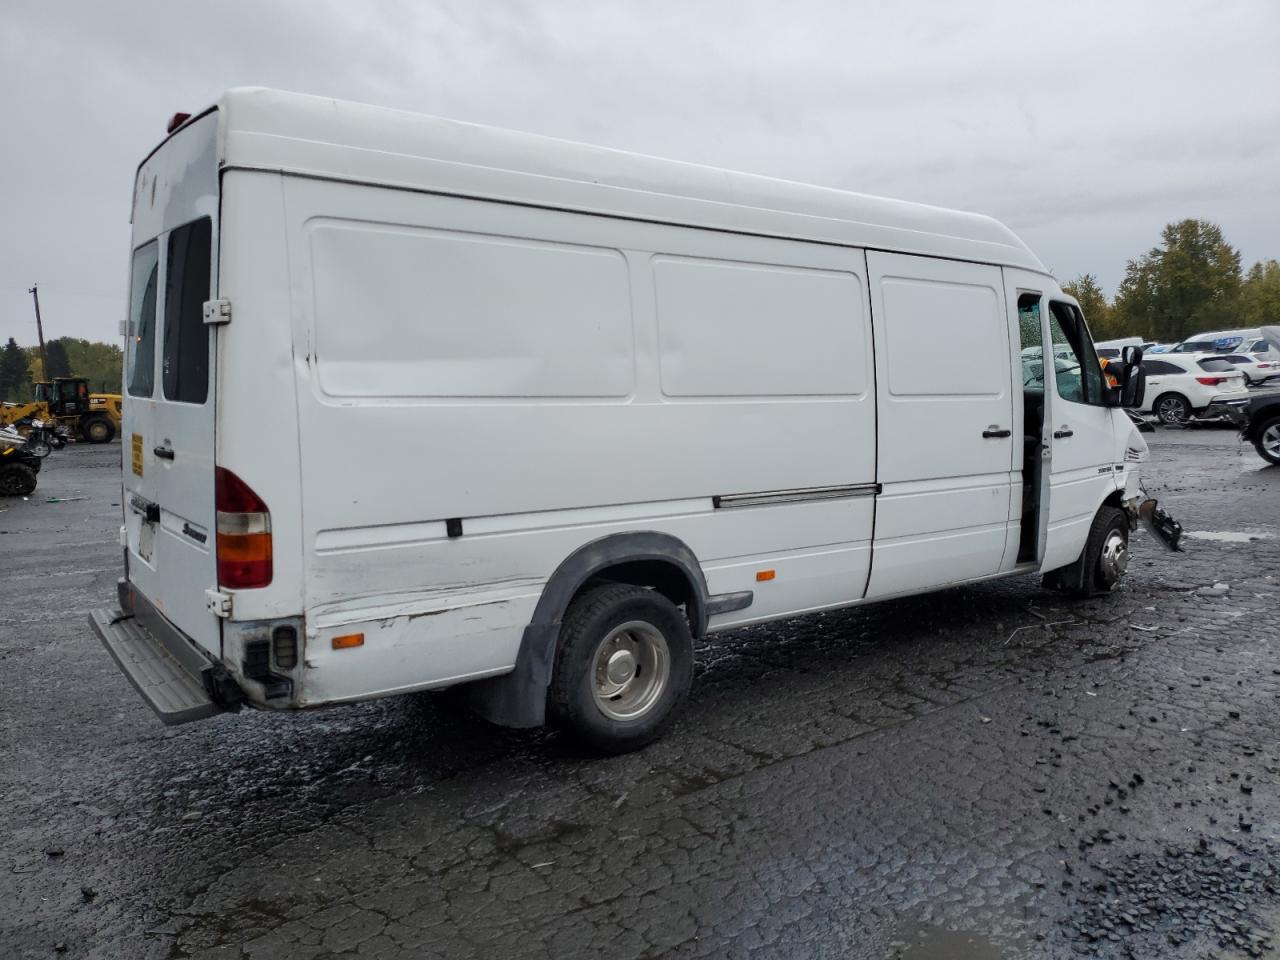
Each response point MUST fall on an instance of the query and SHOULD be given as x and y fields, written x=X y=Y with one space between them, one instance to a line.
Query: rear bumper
x=176 y=679
x=1233 y=407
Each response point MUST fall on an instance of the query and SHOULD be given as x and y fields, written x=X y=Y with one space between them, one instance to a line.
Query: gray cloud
x=1084 y=126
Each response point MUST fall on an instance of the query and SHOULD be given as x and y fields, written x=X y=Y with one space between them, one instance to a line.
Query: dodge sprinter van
x=414 y=404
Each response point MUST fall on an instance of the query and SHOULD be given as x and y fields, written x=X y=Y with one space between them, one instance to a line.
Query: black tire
x=592 y=619
x=16 y=480
x=1179 y=408
x=97 y=429
x=1260 y=439
x=39 y=448
x=1090 y=574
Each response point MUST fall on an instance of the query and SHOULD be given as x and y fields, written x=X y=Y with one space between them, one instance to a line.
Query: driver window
x=1075 y=364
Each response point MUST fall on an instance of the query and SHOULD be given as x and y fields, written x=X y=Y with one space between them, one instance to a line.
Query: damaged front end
x=1156 y=520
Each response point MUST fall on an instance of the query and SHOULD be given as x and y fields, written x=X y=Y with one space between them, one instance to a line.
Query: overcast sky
x=1084 y=126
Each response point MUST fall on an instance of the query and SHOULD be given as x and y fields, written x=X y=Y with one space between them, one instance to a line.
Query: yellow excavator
x=92 y=417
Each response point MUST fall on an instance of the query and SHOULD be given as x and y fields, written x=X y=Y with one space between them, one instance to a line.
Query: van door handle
x=150 y=512
x=1063 y=433
x=164 y=453
x=994 y=433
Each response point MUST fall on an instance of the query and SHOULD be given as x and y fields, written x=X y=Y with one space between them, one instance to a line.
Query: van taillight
x=244 y=533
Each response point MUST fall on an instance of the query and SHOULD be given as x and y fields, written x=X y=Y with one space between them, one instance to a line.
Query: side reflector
x=348 y=640
x=763 y=575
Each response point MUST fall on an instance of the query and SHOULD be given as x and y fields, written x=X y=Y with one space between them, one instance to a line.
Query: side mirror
x=1131 y=356
x=1134 y=387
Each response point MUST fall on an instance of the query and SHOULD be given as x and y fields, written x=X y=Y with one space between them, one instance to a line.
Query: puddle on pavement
x=924 y=941
x=1226 y=536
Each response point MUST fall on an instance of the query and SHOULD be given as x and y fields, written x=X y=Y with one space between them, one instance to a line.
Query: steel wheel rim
x=629 y=670
x=1271 y=440
x=1114 y=558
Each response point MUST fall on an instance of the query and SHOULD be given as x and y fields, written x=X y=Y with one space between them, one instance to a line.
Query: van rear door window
x=140 y=359
x=186 y=337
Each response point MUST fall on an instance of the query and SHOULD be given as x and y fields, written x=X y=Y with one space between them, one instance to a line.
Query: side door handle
x=1063 y=433
x=993 y=432
x=164 y=453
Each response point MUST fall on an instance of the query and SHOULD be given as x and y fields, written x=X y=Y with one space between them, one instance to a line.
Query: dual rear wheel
x=623 y=666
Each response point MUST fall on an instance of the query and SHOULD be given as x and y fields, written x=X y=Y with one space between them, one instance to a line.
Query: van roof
x=265 y=129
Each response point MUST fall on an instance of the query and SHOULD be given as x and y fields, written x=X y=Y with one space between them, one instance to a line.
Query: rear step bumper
x=179 y=682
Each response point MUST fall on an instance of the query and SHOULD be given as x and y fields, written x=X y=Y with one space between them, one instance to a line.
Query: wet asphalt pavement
x=985 y=772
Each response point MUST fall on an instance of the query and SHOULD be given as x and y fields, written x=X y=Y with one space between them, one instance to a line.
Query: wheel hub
x=629 y=670
x=1114 y=559
x=621 y=666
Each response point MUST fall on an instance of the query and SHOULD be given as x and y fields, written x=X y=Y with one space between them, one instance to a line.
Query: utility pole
x=44 y=358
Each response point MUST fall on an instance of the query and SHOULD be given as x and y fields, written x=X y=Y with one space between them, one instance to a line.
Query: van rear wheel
x=623 y=666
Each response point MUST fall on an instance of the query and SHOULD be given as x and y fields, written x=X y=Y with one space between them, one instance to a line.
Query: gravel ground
x=986 y=772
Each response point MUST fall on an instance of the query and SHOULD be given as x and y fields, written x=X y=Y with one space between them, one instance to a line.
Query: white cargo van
x=414 y=404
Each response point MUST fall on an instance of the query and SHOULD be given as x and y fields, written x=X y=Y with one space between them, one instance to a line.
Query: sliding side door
x=947 y=427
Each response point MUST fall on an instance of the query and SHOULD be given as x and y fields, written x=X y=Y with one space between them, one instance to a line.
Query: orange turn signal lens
x=763 y=575
x=346 y=641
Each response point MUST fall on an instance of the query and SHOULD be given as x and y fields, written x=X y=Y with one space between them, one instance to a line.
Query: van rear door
x=170 y=384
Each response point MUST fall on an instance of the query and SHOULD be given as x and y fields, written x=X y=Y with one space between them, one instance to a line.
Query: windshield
x=1195 y=346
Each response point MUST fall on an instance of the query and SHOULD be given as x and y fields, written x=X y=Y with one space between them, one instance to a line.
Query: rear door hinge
x=217 y=311
x=219 y=603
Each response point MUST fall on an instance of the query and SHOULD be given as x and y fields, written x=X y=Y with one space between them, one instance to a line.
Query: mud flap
x=1160 y=525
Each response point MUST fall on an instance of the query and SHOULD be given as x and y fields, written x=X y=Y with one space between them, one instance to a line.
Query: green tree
x=1189 y=284
x=100 y=363
x=1097 y=311
x=15 y=383
x=1260 y=295
x=57 y=359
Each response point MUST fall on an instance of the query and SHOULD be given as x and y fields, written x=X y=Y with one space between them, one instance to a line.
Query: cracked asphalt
x=991 y=771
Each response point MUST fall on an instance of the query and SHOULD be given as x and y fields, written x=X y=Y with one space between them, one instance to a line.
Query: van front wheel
x=1103 y=560
x=623 y=665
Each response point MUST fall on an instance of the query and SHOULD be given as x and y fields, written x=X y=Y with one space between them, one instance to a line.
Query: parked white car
x=1180 y=386
x=1257 y=368
x=1262 y=347
x=1219 y=341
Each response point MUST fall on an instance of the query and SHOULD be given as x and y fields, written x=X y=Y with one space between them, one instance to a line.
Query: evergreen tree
x=15 y=383
x=59 y=363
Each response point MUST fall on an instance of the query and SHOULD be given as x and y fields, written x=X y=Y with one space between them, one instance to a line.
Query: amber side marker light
x=348 y=640
x=763 y=575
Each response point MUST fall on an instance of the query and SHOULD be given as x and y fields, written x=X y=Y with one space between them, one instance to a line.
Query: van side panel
x=548 y=378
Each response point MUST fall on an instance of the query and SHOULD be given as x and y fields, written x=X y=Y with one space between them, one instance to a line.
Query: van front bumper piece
x=176 y=679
